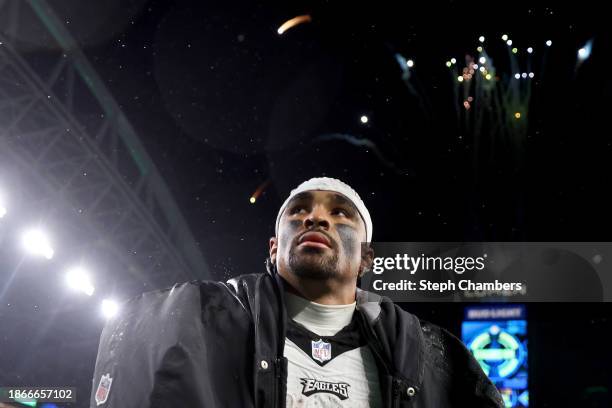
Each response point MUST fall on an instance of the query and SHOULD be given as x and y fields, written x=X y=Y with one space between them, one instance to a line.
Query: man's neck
x=324 y=320
x=324 y=292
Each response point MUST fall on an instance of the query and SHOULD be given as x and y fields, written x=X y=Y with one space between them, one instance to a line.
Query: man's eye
x=297 y=209
x=341 y=212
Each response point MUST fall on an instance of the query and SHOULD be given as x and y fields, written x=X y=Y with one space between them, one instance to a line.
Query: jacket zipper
x=280 y=400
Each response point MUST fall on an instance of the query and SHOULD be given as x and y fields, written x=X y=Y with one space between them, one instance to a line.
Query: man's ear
x=273 y=249
x=367 y=259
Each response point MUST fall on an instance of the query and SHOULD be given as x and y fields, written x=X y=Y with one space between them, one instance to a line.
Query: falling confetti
x=305 y=18
x=258 y=191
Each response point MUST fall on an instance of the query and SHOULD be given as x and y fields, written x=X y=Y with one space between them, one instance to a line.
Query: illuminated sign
x=497 y=337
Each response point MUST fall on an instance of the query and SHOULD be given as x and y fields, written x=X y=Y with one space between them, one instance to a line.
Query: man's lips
x=314 y=239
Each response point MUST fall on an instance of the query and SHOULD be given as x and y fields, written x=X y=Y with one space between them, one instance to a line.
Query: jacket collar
x=399 y=335
x=369 y=304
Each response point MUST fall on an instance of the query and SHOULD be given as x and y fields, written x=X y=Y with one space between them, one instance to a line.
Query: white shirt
x=329 y=367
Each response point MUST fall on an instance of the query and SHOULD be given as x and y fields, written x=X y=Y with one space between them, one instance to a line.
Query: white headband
x=331 y=184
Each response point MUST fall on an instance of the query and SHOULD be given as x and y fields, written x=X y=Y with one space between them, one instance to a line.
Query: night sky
x=226 y=105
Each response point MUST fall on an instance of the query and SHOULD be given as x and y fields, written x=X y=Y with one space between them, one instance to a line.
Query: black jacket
x=213 y=344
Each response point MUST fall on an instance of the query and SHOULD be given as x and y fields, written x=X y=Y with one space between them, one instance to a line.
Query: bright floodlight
x=531 y=75
x=36 y=243
x=109 y=308
x=481 y=39
x=364 y=119
x=585 y=52
x=517 y=76
x=78 y=279
x=505 y=37
x=410 y=63
x=453 y=61
x=509 y=42
x=482 y=60
x=548 y=43
x=530 y=50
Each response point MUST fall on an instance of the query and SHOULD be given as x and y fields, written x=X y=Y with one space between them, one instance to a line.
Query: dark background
x=225 y=104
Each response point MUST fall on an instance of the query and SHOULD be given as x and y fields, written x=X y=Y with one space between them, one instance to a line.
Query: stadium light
x=36 y=243
x=109 y=308
x=78 y=279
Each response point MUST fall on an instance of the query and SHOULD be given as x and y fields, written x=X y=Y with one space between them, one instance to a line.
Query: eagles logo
x=312 y=386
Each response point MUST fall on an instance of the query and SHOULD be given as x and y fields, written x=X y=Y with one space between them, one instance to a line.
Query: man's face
x=319 y=237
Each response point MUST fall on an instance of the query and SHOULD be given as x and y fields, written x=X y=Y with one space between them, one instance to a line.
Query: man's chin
x=311 y=254
x=311 y=265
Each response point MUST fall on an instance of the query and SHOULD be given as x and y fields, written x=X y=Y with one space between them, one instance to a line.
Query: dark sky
x=224 y=104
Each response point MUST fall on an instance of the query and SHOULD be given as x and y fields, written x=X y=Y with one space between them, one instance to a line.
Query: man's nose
x=317 y=218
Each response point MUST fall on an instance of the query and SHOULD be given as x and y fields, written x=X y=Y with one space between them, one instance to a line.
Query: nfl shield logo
x=321 y=351
x=103 y=389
